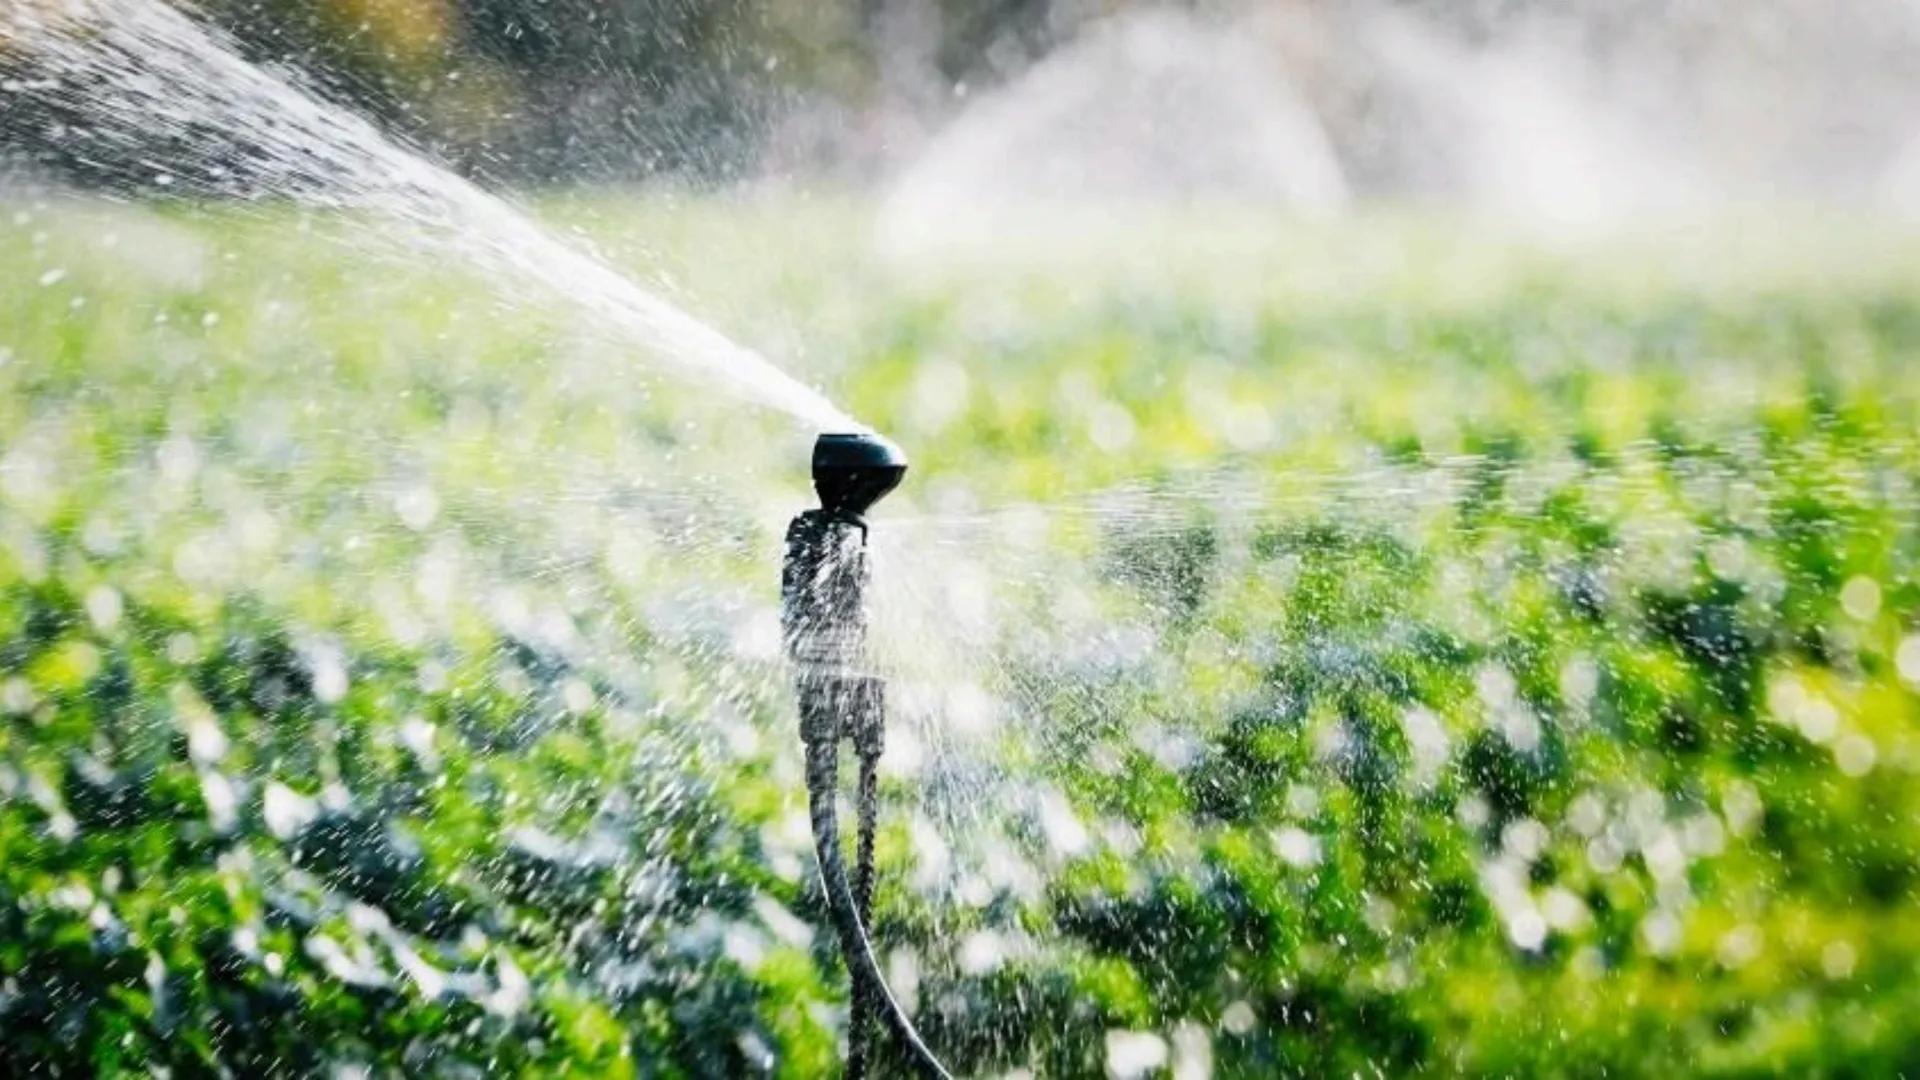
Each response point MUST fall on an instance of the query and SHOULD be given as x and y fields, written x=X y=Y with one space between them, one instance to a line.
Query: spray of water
x=1565 y=120
x=1017 y=637
x=149 y=83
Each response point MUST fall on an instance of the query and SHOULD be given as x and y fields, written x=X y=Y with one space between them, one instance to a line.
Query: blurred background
x=1566 y=111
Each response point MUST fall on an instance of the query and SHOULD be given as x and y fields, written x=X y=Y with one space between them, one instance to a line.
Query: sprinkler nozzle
x=854 y=470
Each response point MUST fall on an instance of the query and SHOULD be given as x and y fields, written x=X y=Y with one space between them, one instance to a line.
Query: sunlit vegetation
x=1365 y=649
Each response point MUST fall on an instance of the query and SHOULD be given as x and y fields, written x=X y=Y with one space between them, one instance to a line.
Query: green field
x=1350 y=649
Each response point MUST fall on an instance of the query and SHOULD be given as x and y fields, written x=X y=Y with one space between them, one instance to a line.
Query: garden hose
x=823 y=768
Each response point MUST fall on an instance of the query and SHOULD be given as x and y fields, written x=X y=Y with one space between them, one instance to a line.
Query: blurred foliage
x=585 y=90
x=1532 y=691
x=573 y=89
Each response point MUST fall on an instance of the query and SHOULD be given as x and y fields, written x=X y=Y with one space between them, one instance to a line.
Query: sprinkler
x=823 y=616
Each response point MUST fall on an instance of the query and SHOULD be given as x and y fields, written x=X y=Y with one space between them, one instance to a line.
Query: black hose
x=867 y=804
x=823 y=778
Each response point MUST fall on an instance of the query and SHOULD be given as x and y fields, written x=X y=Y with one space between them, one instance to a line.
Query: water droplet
x=1855 y=754
x=104 y=607
x=1860 y=597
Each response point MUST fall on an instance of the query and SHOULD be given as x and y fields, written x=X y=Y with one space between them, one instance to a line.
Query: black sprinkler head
x=855 y=470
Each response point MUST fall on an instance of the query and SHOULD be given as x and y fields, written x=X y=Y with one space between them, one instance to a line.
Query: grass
x=1384 y=646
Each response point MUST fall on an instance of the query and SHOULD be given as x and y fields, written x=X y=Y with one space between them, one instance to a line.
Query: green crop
x=1342 y=649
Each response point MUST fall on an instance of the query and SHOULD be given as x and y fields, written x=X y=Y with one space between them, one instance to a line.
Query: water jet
x=823 y=613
